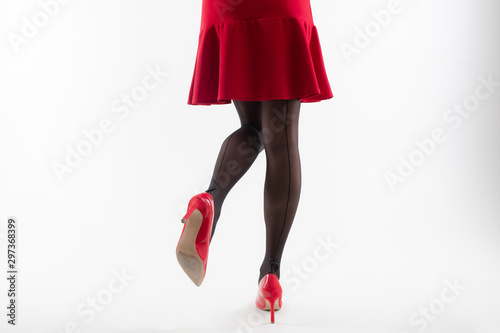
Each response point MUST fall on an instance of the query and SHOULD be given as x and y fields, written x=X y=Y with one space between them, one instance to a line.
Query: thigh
x=278 y=115
x=250 y=113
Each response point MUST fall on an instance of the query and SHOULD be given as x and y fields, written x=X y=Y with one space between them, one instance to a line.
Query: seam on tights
x=289 y=181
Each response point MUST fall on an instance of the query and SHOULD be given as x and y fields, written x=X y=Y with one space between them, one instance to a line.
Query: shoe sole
x=187 y=256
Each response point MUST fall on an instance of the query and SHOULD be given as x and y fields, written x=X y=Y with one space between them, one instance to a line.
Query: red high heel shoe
x=192 y=248
x=269 y=296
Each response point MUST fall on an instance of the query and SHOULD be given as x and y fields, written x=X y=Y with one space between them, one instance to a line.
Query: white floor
x=96 y=246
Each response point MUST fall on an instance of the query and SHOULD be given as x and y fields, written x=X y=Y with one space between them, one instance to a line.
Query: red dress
x=255 y=50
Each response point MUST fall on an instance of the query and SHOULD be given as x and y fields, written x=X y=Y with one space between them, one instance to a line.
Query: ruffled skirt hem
x=261 y=59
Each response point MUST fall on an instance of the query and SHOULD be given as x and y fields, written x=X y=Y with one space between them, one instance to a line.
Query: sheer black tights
x=271 y=126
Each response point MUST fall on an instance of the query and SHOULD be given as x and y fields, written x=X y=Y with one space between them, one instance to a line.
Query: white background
x=120 y=208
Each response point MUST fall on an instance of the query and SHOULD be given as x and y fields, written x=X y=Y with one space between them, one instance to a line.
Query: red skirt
x=256 y=50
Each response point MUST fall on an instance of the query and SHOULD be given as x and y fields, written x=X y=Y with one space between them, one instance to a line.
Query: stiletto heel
x=188 y=214
x=193 y=245
x=269 y=295
x=272 y=309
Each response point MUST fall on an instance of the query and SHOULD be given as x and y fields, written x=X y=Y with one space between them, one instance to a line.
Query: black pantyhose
x=272 y=126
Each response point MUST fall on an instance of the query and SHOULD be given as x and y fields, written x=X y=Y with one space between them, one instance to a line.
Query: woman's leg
x=280 y=120
x=238 y=152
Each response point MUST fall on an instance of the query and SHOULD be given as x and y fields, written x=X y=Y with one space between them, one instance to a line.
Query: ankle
x=211 y=191
x=270 y=266
x=262 y=274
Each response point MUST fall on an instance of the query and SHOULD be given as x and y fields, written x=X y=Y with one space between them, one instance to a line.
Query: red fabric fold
x=259 y=59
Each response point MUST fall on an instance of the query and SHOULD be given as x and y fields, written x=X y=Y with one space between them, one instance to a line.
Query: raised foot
x=186 y=252
x=192 y=266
